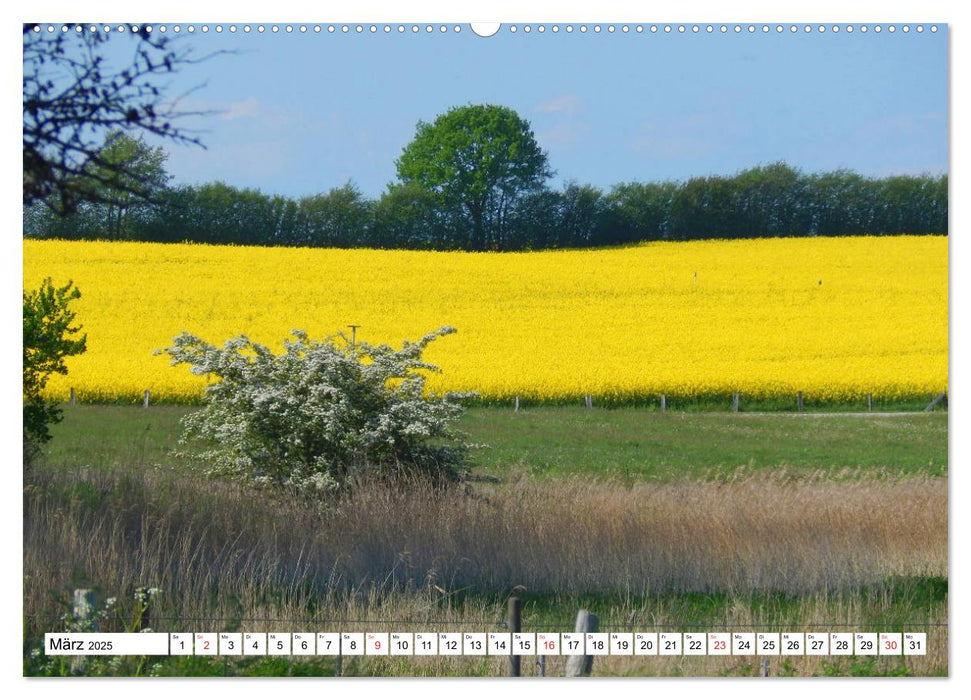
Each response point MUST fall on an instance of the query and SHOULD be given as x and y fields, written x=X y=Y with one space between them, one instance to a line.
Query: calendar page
x=428 y=348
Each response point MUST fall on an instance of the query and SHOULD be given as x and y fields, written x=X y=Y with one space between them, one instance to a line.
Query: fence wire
x=635 y=625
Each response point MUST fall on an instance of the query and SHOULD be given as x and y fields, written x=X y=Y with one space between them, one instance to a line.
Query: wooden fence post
x=735 y=402
x=933 y=404
x=85 y=608
x=73 y=399
x=869 y=402
x=582 y=665
x=765 y=668
x=664 y=403
x=144 y=596
x=589 y=401
x=517 y=404
x=799 y=401
x=145 y=400
x=515 y=624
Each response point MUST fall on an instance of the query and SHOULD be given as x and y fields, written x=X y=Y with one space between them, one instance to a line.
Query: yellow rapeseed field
x=836 y=318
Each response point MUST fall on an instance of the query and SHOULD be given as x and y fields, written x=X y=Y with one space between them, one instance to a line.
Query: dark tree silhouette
x=73 y=96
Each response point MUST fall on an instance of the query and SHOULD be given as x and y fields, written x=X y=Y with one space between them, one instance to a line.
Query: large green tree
x=130 y=174
x=479 y=161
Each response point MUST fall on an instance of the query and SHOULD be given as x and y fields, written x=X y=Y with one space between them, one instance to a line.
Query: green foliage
x=127 y=188
x=131 y=174
x=219 y=213
x=320 y=416
x=576 y=217
x=473 y=180
x=409 y=216
x=340 y=218
x=642 y=209
x=867 y=667
x=479 y=159
x=49 y=338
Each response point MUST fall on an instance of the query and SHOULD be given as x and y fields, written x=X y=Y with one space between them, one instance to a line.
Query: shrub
x=320 y=416
x=49 y=337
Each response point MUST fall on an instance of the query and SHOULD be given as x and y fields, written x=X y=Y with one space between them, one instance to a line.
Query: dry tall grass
x=227 y=557
x=218 y=549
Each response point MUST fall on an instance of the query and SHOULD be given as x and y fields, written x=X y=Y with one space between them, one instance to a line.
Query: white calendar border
x=380 y=10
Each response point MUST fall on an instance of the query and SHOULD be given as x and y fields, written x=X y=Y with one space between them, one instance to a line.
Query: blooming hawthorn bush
x=321 y=415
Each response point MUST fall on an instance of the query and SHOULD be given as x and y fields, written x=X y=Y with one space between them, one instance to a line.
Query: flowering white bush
x=321 y=415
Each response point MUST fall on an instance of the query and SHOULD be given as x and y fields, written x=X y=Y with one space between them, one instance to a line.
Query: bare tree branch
x=73 y=98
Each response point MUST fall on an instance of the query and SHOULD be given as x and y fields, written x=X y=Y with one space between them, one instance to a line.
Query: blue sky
x=300 y=114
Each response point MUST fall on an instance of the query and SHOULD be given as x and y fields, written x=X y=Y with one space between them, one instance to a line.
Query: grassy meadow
x=555 y=441
x=656 y=522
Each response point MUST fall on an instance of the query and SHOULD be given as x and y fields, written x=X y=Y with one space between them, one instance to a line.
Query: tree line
x=449 y=202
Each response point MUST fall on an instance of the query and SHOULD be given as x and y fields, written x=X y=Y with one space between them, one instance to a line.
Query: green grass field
x=655 y=522
x=634 y=444
x=628 y=444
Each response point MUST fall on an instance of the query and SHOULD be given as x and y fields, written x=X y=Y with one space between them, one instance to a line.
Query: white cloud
x=241 y=108
x=561 y=104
